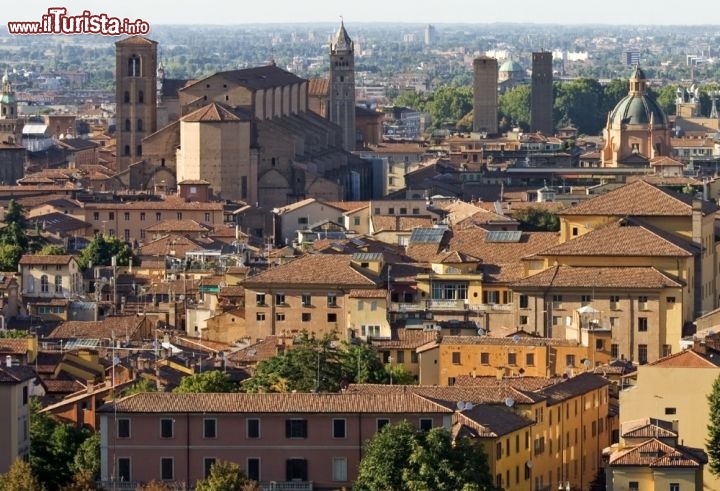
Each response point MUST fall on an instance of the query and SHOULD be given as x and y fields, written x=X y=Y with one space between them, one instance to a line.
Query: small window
x=331 y=300
x=332 y=317
x=570 y=360
x=142 y=216
x=167 y=468
x=382 y=423
x=524 y=301
x=642 y=324
x=575 y=231
x=485 y=358
x=123 y=464
x=166 y=428
x=339 y=428
x=253 y=468
x=253 y=428
x=260 y=316
x=426 y=424
x=512 y=359
x=306 y=317
x=633 y=486
x=123 y=428
x=158 y=216
x=279 y=299
x=210 y=428
x=306 y=300
x=208 y=462
x=339 y=469
x=126 y=216
x=260 y=299
x=456 y=357
x=670 y=410
x=295 y=428
x=530 y=359
x=670 y=301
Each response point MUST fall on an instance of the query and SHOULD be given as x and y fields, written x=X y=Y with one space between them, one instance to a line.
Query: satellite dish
x=481 y=332
x=469 y=405
x=529 y=464
x=460 y=405
x=509 y=402
x=516 y=338
x=587 y=363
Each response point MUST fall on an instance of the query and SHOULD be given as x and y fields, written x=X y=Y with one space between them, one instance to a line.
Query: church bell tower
x=341 y=99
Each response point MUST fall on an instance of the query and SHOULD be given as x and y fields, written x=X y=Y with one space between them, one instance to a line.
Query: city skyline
x=321 y=11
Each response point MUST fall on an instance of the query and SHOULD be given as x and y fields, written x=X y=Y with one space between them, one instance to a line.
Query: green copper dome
x=637 y=107
x=511 y=66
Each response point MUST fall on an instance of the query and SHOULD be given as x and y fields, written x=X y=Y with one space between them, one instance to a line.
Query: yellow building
x=400 y=349
x=444 y=360
x=367 y=311
x=311 y=293
x=649 y=458
x=675 y=388
x=225 y=327
x=15 y=391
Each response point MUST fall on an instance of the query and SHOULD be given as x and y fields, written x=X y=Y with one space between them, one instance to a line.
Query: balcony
x=491 y=307
x=286 y=486
x=447 y=305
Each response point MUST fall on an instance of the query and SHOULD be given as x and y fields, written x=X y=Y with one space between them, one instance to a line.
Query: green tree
x=141 y=386
x=87 y=458
x=361 y=364
x=20 y=477
x=210 y=381
x=579 y=103
x=613 y=93
x=10 y=255
x=82 y=481
x=713 y=439
x=399 y=457
x=52 y=250
x=537 y=219
x=665 y=97
x=102 y=248
x=226 y=476
x=514 y=108
x=14 y=233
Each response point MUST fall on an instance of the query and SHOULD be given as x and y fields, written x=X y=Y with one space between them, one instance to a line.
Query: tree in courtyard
x=226 y=476
x=20 y=477
x=210 y=381
x=713 y=440
x=52 y=250
x=537 y=219
x=15 y=230
x=102 y=248
x=399 y=457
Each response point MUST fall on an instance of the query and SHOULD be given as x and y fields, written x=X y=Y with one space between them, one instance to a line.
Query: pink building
x=298 y=441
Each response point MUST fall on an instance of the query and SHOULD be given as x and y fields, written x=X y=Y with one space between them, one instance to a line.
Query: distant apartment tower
x=632 y=58
x=135 y=97
x=430 y=35
x=341 y=99
x=541 y=95
x=485 y=95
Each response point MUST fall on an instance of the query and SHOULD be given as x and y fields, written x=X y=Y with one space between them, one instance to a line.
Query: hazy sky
x=433 y=11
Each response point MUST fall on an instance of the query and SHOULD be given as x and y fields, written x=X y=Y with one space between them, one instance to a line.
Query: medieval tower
x=341 y=99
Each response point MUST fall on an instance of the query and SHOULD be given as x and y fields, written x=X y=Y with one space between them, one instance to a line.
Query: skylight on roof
x=427 y=235
x=503 y=236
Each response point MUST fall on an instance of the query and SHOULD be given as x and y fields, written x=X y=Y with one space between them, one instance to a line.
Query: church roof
x=136 y=41
x=318 y=87
x=261 y=77
x=341 y=40
x=511 y=66
x=638 y=107
x=212 y=112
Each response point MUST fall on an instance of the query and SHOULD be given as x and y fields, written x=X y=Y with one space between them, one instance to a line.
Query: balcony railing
x=449 y=305
x=287 y=486
x=491 y=307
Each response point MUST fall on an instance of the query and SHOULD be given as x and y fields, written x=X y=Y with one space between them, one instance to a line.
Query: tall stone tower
x=135 y=97
x=8 y=102
x=541 y=95
x=485 y=95
x=341 y=99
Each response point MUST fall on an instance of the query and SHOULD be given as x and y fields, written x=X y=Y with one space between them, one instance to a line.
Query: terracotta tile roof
x=654 y=453
x=368 y=293
x=57 y=302
x=293 y=403
x=135 y=41
x=16 y=374
x=265 y=348
x=318 y=87
x=509 y=341
x=638 y=198
x=196 y=182
x=665 y=161
x=180 y=226
x=170 y=245
x=36 y=259
x=574 y=386
x=525 y=384
x=260 y=77
x=170 y=203
x=232 y=291
x=472 y=242
x=348 y=206
x=13 y=346
x=108 y=328
x=404 y=339
x=688 y=358
x=624 y=237
x=488 y=421
x=647 y=428
x=212 y=112
x=315 y=269
x=599 y=277
x=450 y=395
x=293 y=206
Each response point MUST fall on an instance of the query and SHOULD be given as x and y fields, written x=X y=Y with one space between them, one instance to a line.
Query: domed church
x=637 y=130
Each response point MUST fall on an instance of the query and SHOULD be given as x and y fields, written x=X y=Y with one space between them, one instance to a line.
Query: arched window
x=141 y=97
x=44 y=284
x=139 y=124
x=126 y=150
x=127 y=125
x=58 y=284
x=126 y=96
x=134 y=66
